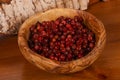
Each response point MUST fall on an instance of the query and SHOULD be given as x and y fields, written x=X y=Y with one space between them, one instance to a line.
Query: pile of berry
x=64 y=39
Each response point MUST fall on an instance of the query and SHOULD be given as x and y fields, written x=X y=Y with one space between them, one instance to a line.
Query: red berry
x=80 y=55
x=40 y=38
x=36 y=47
x=57 y=22
x=91 y=45
x=69 y=56
x=51 y=57
x=53 y=40
x=62 y=57
x=35 y=36
x=43 y=33
x=63 y=22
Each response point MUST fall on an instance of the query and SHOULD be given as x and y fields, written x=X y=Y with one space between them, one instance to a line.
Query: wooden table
x=13 y=65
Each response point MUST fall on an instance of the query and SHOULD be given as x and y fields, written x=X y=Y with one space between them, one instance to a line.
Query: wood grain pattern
x=13 y=65
x=5 y=1
x=93 y=2
x=55 y=66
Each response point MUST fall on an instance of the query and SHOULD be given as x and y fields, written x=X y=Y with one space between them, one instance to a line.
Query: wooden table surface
x=13 y=65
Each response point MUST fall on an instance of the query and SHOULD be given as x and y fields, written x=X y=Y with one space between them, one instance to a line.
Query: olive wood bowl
x=56 y=66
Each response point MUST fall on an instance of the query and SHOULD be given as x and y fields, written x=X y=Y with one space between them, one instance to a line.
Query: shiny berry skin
x=64 y=39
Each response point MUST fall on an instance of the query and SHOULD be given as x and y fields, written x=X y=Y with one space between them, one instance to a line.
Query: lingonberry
x=64 y=39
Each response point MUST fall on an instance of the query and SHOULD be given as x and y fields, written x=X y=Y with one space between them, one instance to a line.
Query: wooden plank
x=93 y=1
x=13 y=66
x=5 y=1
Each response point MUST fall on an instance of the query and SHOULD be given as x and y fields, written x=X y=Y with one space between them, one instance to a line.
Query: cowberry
x=64 y=39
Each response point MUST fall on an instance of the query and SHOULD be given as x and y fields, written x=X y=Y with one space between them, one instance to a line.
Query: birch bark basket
x=12 y=15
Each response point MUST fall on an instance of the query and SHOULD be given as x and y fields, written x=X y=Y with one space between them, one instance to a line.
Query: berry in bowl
x=62 y=40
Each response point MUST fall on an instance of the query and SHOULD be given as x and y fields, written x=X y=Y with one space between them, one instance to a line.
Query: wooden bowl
x=55 y=66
